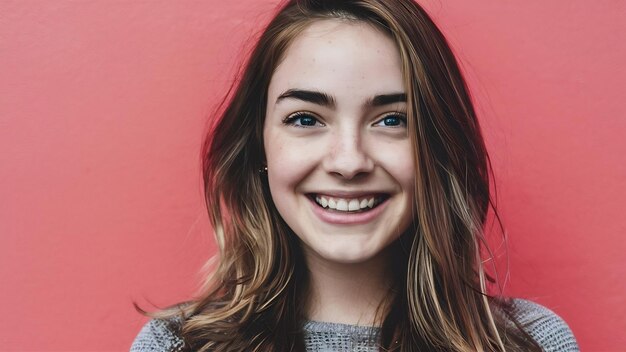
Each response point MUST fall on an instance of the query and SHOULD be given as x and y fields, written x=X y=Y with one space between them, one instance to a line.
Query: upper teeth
x=345 y=204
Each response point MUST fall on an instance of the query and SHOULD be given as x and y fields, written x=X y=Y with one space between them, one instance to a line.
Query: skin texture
x=349 y=148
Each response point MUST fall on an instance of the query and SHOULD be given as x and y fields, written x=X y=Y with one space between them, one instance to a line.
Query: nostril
x=348 y=159
x=351 y=176
x=350 y=170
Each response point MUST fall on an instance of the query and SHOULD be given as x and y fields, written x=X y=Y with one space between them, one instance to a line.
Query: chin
x=346 y=253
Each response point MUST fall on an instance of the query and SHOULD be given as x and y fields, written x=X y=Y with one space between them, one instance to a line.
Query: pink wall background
x=102 y=108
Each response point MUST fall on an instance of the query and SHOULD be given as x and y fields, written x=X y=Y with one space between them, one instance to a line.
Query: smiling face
x=340 y=166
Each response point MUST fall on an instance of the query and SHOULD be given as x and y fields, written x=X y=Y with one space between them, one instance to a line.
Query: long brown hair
x=253 y=300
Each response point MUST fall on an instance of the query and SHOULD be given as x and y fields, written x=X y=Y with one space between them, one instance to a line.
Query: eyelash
x=291 y=119
x=401 y=116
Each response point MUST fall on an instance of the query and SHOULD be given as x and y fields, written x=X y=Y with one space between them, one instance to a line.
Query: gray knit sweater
x=547 y=328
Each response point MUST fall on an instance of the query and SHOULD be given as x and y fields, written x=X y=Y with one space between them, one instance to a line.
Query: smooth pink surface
x=102 y=109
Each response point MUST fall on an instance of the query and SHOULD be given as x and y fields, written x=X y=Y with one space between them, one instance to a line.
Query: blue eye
x=302 y=119
x=392 y=120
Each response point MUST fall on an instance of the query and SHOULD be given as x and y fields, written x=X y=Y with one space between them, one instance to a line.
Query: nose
x=347 y=156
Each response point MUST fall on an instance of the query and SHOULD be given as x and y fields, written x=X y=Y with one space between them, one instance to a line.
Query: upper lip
x=348 y=194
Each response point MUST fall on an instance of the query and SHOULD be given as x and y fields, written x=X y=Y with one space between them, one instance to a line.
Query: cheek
x=288 y=163
x=405 y=174
x=397 y=160
x=287 y=167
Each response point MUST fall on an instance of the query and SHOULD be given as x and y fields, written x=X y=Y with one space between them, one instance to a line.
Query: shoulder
x=545 y=326
x=158 y=335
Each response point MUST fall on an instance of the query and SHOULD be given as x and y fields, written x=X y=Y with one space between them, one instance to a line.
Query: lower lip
x=347 y=218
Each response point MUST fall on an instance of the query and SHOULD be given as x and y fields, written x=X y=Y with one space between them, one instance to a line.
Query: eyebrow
x=386 y=99
x=310 y=96
x=326 y=100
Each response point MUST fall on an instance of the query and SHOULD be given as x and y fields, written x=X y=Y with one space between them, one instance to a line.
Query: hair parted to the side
x=255 y=298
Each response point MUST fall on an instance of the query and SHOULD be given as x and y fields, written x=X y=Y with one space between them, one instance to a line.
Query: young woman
x=348 y=183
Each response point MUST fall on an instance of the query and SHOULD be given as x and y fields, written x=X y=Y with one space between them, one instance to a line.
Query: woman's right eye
x=302 y=119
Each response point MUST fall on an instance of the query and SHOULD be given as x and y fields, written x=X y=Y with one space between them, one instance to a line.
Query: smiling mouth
x=348 y=205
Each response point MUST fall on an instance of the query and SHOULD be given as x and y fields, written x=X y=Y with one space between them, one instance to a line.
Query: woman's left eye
x=392 y=120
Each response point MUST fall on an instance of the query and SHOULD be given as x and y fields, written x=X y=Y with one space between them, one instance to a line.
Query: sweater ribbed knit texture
x=547 y=328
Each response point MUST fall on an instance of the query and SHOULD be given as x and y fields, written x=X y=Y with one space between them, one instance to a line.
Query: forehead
x=340 y=56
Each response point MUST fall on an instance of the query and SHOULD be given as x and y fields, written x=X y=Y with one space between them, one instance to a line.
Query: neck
x=348 y=293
